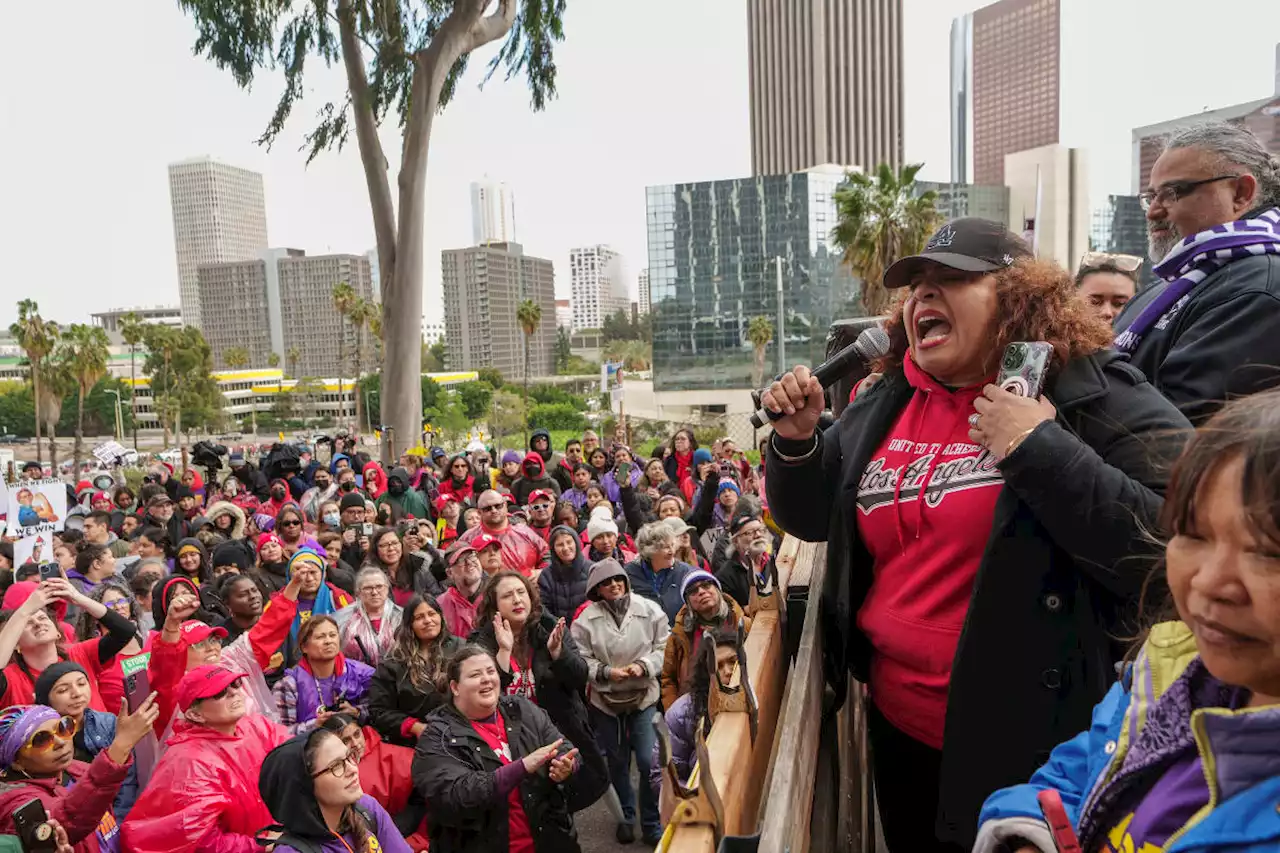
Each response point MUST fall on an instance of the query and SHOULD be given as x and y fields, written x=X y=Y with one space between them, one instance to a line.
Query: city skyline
x=574 y=189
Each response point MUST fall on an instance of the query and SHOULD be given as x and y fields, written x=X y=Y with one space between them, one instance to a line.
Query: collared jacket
x=1060 y=576
x=677 y=657
x=1239 y=751
x=605 y=645
x=83 y=808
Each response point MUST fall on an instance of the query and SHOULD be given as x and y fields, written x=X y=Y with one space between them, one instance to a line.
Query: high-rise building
x=111 y=321
x=564 y=314
x=644 y=291
x=596 y=286
x=1120 y=227
x=219 y=215
x=713 y=250
x=493 y=212
x=1005 y=85
x=483 y=288
x=282 y=304
x=825 y=82
x=1049 y=201
x=375 y=272
x=957 y=200
x=1261 y=116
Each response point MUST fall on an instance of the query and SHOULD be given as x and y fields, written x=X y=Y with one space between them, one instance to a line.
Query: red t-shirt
x=926 y=553
x=494 y=732
x=522 y=681
x=21 y=688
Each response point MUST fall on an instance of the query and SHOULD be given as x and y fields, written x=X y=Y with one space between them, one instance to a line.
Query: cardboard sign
x=36 y=507
x=109 y=451
x=33 y=549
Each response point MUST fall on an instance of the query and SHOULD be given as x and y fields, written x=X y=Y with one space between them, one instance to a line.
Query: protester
x=599 y=463
x=290 y=526
x=602 y=536
x=480 y=766
x=459 y=484
x=323 y=490
x=368 y=627
x=203 y=793
x=410 y=682
x=115 y=597
x=533 y=477
x=192 y=562
x=685 y=551
x=621 y=637
x=231 y=558
x=311 y=784
x=244 y=605
x=656 y=574
x=386 y=774
x=323 y=682
x=228 y=519
x=448 y=512
x=580 y=479
x=37 y=761
x=403 y=500
x=1030 y=536
x=1209 y=331
x=409 y=573
x=1106 y=282
x=563 y=470
x=567 y=516
x=747 y=560
x=541 y=505
x=91 y=566
x=64 y=687
x=707 y=610
x=272 y=568
x=624 y=472
x=97 y=531
x=522 y=549
x=679 y=463
x=461 y=597
x=563 y=586
x=1181 y=753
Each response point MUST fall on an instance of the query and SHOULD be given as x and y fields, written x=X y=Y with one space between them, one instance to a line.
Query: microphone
x=873 y=343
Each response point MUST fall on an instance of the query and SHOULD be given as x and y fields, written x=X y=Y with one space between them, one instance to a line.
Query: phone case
x=1023 y=368
x=30 y=821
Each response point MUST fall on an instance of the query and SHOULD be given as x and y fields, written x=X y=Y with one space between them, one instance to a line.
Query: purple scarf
x=1195 y=259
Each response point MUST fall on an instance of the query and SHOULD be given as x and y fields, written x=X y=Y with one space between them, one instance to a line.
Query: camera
x=206 y=454
x=1014 y=356
x=336 y=705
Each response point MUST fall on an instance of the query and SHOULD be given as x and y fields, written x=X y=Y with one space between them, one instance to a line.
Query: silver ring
x=973 y=420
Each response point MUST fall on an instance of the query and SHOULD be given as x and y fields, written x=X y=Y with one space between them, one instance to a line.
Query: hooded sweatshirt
x=926 y=552
x=287 y=788
x=221 y=508
x=563 y=586
x=375 y=480
x=405 y=502
x=533 y=476
x=273 y=506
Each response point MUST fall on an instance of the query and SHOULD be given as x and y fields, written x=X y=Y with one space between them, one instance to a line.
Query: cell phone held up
x=31 y=823
x=1023 y=368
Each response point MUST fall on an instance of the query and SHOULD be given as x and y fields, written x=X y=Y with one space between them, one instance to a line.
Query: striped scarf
x=1195 y=259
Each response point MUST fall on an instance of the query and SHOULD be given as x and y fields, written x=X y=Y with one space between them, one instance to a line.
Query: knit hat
x=17 y=724
x=701 y=455
x=601 y=512
x=232 y=553
x=351 y=500
x=266 y=538
x=695 y=577
x=728 y=485
x=44 y=684
x=606 y=569
x=599 y=526
x=511 y=456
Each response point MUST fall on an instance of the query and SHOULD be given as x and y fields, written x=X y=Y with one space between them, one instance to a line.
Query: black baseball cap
x=970 y=244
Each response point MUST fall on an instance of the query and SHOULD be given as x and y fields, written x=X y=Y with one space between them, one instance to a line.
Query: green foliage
x=544 y=393
x=633 y=355
x=492 y=377
x=880 y=219
x=475 y=397
x=433 y=356
x=563 y=353
x=17 y=412
x=372 y=386
x=180 y=362
x=619 y=326
x=506 y=414
x=556 y=416
x=235 y=357
x=579 y=366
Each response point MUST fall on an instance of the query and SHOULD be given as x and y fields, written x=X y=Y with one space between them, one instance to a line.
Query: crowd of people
x=462 y=650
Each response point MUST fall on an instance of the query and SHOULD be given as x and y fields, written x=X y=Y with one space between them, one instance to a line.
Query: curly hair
x=489 y=600
x=1035 y=301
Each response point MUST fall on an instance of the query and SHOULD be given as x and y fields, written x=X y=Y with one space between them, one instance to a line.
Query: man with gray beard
x=1210 y=329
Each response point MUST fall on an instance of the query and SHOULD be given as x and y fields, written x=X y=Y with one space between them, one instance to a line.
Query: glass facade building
x=1121 y=227
x=712 y=269
x=957 y=200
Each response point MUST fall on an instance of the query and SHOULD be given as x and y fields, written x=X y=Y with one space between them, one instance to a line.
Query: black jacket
x=453 y=769
x=1063 y=566
x=393 y=698
x=1223 y=342
x=562 y=587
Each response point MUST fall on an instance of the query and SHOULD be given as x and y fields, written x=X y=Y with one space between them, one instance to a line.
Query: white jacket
x=605 y=645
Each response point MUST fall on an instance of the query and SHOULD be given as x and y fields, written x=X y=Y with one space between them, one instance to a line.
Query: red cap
x=194 y=631
x=483 y=540
x=455 y=553
x=204 y=682
x=444 y=499
x=83 y=486
x=541 y=493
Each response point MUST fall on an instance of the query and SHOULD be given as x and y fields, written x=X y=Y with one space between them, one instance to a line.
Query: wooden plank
x=785 y=824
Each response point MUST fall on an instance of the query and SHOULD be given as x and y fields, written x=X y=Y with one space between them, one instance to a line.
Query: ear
x=1246 y=195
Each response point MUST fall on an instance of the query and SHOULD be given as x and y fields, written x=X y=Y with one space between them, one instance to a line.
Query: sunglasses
x=42 y=741
x=293 y=522
x=1124 y=263
x=224 y=692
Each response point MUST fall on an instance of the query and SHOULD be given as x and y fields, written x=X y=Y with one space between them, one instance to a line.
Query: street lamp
x=119 y=434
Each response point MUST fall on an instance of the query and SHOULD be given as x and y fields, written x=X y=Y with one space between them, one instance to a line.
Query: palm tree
x=84 y=352
x=760 y=333
x=528 y=315
x=293 y=355
x=55 y=383
x=632 y=355
x=344 y=296
x=236 y=358
x=132 y=330
x=37 y=337
x=880 y=220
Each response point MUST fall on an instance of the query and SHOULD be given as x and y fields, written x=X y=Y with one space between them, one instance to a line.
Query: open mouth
x=932 y=329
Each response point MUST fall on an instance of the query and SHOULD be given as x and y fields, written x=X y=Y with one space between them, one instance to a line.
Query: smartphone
x=1055 y=814
x=1023 y=368
x=31 y=822
x=48 y=571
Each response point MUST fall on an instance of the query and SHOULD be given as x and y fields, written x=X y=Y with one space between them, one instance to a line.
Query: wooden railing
x=800 y=785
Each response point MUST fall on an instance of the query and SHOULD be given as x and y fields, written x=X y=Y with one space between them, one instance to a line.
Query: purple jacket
x=680 y=723
x=389 y=838
x=610 y=484
x=351 y=682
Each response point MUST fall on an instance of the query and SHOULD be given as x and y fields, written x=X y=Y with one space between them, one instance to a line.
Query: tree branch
x=493 y=26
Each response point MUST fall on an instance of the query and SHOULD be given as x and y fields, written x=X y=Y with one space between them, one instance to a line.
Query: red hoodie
x=926 y=553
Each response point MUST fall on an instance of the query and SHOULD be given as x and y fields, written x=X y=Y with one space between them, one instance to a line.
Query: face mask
x=278 y=494
x=348 y=486
x=332 y=519
x=395 y=487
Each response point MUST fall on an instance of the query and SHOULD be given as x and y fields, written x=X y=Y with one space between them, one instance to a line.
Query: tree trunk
x=78 y=448
x=526 y=389
x=342 y=354
x=133 y=397
x=355 y=385
x=35 y=397
x=757 y=372
x=52 y=427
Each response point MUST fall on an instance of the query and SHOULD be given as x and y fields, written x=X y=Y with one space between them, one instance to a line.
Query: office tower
x=564 y=314
x=1120 y=227
x=596 y=286
x=644 y=291
x=1261 y=116
x=111 y=321
x=713 y=247
x=957 y=200
x=282 y=304
x=375 y=273
x=1005 y=85
x=1049 y=201
x=219 y=215
x=825 y=81
x=493 y=212
x=483 y=288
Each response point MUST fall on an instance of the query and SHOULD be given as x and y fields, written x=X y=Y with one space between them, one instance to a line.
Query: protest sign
x=36 y=507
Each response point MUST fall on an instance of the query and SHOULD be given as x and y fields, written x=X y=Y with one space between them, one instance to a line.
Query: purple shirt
x=1174 y=799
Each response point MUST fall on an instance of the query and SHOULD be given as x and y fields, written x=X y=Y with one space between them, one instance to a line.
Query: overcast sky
x=650 y=93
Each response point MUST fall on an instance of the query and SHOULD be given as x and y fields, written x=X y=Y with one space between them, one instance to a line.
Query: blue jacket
x=1240 y=751
x=99 y=732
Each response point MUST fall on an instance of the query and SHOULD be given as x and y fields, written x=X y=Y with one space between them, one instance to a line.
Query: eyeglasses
x=339 y=767
x=42 y=741
x=1177 y=190
x=292 y=522
x=380 y=588
x=1124 y=263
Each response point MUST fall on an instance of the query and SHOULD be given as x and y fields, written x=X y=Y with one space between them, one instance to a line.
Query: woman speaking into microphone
x=983 y=548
